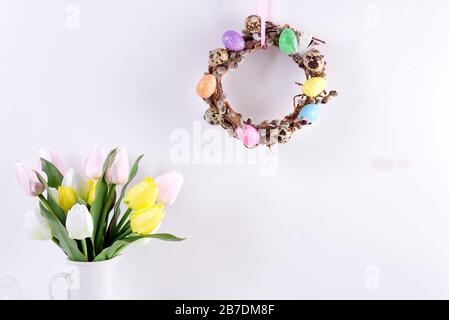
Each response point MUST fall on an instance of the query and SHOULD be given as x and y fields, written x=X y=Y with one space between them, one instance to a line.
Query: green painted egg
x=288 y=42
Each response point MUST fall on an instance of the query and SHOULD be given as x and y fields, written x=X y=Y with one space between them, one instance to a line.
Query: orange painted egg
x=207 y=86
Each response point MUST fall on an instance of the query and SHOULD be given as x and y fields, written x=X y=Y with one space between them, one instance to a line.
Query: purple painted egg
x=233 y=41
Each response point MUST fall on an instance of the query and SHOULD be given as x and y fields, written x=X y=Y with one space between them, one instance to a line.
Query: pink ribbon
x=263 y=13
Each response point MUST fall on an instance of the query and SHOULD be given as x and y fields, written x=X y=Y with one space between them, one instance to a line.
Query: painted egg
x=206 y=87
x=232 y=40
x=288 y=42
x=249 y=136
x=310 y=112
x=314 y=86
x=218 y=57
x=305 y=41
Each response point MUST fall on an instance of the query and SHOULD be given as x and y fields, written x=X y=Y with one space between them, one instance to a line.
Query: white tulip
x=75 y=181
x=79 y=222
x=37 y=226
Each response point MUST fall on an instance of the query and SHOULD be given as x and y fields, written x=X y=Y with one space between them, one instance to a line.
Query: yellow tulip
x=67 y=198
x=142 y=195
x=145 y=221
x=91 y=193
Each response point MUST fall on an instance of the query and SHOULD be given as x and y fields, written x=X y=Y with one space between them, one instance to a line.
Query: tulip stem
x=56 y=241
x=123 y=220
x=100 y=235
x=84 y=247
x=93 y=248
x=126 y=231
x=49 y=208
x=45 y=203
x=124 y=234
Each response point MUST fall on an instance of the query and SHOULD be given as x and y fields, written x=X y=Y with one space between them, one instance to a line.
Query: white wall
x=360 y=198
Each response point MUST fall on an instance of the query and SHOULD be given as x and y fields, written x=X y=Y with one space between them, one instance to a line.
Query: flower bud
x=67 y=198
x=142 y=195
x=118 y=170
x=37 y=226
x=79 y=222
x=53 y=158
x=144 y=222
x=27 y=178
x=76 y=182
x=169 y=185
x=93 y=164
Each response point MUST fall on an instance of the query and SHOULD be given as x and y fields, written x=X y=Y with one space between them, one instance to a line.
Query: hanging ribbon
x=263 y=13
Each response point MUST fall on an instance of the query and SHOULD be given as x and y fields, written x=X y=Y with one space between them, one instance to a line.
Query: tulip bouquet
x=83 y=216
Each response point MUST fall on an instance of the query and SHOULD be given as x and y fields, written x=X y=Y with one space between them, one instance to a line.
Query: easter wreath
x=299 y=46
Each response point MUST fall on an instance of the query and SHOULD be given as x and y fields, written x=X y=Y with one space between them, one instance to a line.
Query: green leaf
x=120 y=245
x=161 y=236
x=53 y=204
x=59 y=232
x=97 y=206
x=106 y=163
x=101 y=229
x=53 y=175
x=132 y=175
x=100 y=195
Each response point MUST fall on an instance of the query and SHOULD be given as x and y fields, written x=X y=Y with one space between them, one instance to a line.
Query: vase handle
x=62 y=275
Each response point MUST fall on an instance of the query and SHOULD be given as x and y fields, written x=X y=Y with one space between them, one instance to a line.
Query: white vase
x=87 y=280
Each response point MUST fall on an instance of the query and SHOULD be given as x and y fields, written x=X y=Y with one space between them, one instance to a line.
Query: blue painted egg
x=310 y=112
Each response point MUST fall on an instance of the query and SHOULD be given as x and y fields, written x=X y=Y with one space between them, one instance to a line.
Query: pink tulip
x=249 y=135
x=169 y=185
x=53 y=158
x=27 y=178
x=118 y=171
x=93 y=164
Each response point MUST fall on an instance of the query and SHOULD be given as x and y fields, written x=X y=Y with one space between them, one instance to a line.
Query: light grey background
x=358 y=207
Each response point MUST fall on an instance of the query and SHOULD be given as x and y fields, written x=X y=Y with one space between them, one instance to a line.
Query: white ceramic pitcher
x=87 y=280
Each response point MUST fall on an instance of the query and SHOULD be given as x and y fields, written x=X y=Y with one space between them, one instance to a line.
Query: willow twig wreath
x=300 y=47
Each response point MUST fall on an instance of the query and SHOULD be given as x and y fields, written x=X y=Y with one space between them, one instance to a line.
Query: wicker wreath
x=300 y=47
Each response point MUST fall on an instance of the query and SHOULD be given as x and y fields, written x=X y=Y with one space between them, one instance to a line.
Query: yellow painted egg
x=206 y=87
x=314 y=86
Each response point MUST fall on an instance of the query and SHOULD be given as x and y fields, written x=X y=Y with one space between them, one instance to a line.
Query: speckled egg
x=253 y=24
x=218 y=57
x=284 y=135
x=212 y=117
x=314 y=61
